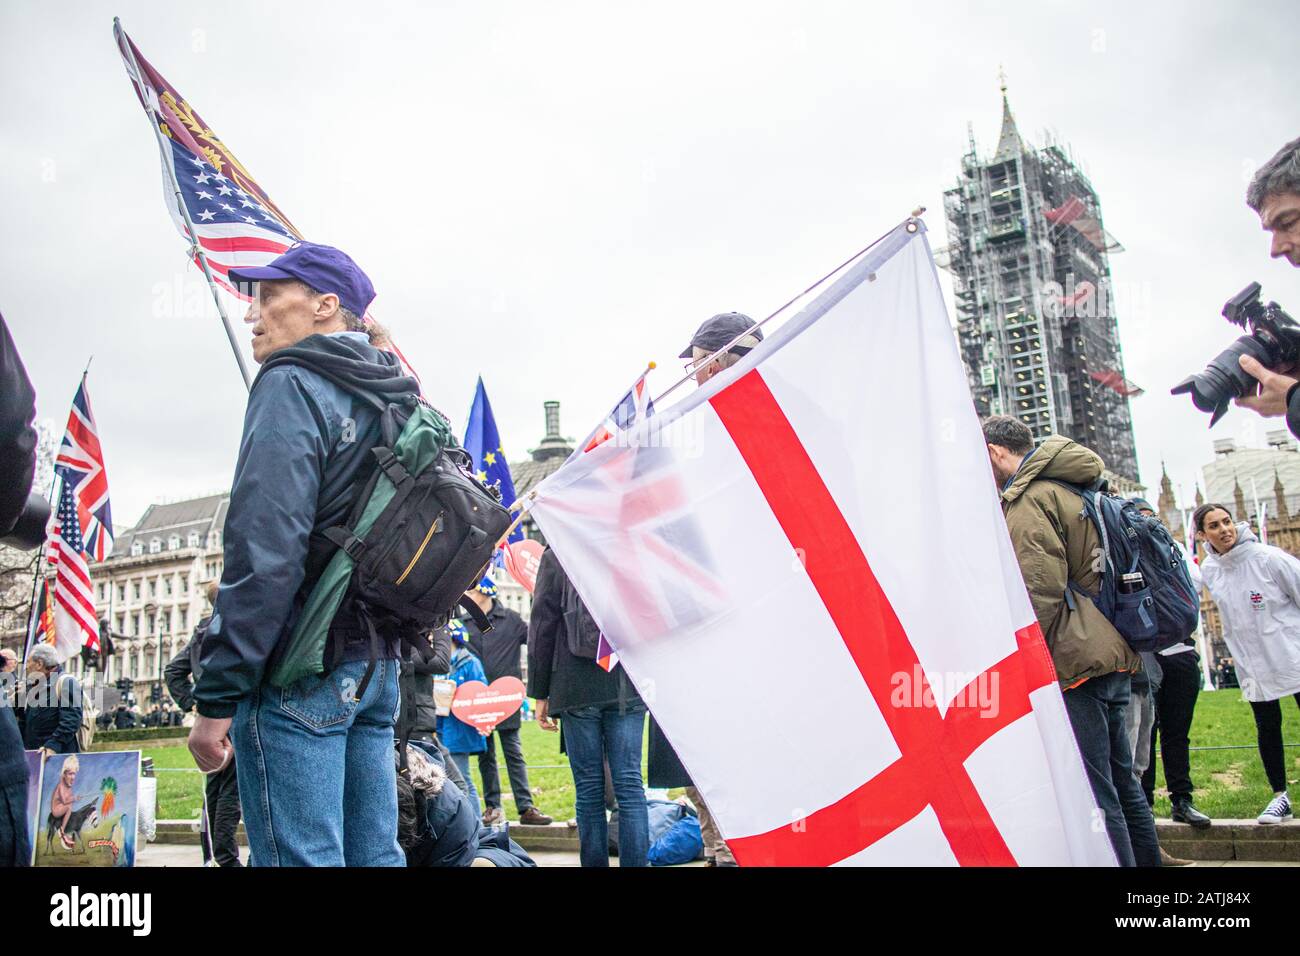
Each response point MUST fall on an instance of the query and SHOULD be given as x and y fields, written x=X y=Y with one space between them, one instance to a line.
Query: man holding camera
x=1274 y=194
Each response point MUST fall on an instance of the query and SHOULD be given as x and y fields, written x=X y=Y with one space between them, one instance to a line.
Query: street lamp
x=151 y=615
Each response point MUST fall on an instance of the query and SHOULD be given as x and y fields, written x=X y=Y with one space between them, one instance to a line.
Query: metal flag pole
x=912 y=226
x=196 y=248
x=36 y=580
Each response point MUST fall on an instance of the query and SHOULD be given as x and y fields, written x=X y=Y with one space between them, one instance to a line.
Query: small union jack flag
x=82 y=529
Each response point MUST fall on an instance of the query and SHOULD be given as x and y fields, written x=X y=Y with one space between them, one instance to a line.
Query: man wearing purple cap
x=315 y=764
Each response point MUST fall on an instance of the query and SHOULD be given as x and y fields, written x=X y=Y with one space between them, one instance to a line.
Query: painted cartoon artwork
x=33 y=758
x=87 y=810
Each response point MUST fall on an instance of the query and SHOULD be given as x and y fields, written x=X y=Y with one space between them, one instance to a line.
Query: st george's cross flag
x=856 y=675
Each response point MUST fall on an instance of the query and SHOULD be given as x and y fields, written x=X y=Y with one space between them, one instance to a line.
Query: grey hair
x=1010 y=433
x=1281 y=174
x=45 y=655
x=351 y=321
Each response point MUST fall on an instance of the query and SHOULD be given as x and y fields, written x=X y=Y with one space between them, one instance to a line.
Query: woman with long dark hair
x=1257 y=589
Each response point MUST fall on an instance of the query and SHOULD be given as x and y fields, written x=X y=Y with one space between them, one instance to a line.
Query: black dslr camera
x=1273 y=339
x=29 y=531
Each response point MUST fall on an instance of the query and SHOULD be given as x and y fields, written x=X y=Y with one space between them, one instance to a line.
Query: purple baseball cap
x=324 y=268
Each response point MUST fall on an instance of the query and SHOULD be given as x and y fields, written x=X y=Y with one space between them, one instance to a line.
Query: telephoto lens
x=1224 y=379
x=29 y=530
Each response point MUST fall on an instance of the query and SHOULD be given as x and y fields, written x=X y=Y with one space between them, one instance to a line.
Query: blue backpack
x=1165 y=611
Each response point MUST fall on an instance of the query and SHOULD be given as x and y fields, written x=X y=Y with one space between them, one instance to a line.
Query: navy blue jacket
x=304 y=452
x=53 y=727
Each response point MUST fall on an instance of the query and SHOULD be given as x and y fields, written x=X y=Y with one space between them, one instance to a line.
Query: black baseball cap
x=723 y=328
x=324 y=268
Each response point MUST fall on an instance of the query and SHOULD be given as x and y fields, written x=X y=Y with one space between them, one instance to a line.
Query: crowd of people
x=360 y=763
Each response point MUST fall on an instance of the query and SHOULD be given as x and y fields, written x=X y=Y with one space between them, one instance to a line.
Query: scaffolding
x=1034 y=302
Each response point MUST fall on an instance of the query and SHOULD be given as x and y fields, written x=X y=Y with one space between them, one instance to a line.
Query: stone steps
x=557 y=836
x=1241 y=840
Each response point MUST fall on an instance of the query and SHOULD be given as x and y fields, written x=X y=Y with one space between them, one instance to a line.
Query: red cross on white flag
x=860 y=678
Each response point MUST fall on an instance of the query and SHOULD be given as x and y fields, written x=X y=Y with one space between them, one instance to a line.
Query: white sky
x=551 y=195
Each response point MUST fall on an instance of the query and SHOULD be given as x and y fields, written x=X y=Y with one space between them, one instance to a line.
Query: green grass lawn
x=1229 y=783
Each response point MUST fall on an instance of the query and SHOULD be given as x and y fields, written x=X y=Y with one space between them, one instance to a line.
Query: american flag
x=81 y=530
x=235 y=221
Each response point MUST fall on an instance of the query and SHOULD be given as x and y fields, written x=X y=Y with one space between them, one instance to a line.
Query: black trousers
x=223 y=817
x=515 y=769
x=1175 y=705
x=1268 y=726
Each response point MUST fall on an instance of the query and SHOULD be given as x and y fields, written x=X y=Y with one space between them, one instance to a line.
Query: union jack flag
x=630 y=409
x=81 y=530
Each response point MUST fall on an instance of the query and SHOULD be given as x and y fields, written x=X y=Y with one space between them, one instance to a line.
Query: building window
x=121 y=592
x=153 y=588
x=185 y=584
x=135 y=590
x=185 y=619
x=155 y=546
x=121 y=623
x=167 y=586
x=137 y=549
x=174 y=542
x=153 y=624
x=135 y=625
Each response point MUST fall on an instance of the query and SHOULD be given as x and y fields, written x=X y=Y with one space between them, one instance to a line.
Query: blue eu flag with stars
x=483 y=442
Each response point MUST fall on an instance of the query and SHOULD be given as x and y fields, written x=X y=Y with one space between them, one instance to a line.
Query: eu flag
x=483 y=442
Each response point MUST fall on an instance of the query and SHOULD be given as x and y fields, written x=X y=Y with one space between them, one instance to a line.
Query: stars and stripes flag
x=921 y=718
x=81 y=529
x=235 y=222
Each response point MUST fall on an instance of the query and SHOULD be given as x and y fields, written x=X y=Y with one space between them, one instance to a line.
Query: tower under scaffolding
x=1031 y=281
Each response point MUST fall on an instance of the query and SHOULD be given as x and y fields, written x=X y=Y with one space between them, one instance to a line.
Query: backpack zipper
x=419 y=551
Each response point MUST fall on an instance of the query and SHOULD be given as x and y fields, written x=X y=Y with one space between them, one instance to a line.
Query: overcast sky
x=553 y=194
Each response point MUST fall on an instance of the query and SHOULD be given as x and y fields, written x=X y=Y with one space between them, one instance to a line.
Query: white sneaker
x=1278 y=810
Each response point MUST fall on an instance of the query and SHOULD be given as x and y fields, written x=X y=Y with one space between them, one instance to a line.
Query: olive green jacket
x=1056 y=543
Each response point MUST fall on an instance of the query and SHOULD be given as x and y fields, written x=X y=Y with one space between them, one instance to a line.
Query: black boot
x=1184 y=812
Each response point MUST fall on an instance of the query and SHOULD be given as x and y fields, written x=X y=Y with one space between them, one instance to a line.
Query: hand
x=544 y=716
x=209 y=742
x=46 y=753
x=1270 y=400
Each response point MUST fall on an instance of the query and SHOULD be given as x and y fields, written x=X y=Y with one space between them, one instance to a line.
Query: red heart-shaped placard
x=483 y=706
x=522 y=559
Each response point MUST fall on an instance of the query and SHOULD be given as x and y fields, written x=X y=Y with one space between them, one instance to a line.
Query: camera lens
x=1224 y=379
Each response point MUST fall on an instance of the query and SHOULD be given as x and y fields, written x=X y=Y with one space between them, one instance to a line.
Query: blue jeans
x=593 y=735
x=1098 y=710
x=315 y=766
x=462 y=764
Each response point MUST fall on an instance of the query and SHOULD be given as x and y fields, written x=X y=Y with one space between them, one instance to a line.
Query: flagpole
x=37 y=577
x=195 y=247
x=910 y=222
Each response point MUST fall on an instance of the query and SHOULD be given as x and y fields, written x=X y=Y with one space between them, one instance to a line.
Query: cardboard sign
x=522 y=560
x=483 y=707
x=87 y=812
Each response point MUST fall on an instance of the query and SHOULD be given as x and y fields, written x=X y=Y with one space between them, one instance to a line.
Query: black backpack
x=431 y=542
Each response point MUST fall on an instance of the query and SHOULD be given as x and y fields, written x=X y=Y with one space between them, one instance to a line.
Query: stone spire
x=1009 y=143
x=1200 y=498
x=1166 y=504
x=1239 y=499
x=1279 y=495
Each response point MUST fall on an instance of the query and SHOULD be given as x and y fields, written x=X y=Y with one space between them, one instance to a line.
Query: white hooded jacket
x=1257 y=589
